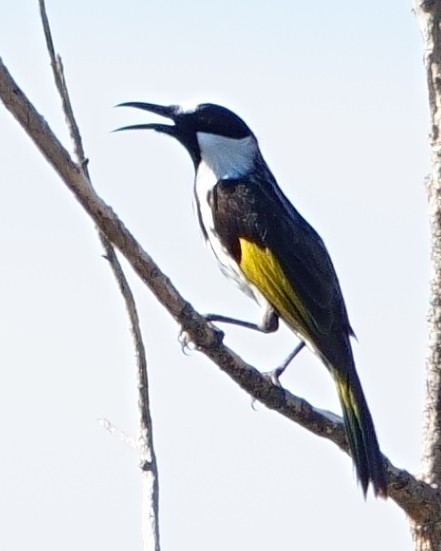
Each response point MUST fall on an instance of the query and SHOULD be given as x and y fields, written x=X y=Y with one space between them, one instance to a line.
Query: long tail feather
x=360 y=432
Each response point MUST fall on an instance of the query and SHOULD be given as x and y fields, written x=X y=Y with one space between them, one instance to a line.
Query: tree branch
x=416 y=498
x=428 y=14
x=429 y=18
x=147 y=456
x=146 y=450
x=60 y=83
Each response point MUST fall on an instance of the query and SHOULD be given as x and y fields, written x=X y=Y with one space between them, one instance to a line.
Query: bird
x=274 y=255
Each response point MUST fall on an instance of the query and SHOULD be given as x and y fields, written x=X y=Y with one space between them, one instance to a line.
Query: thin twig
x=117 y=432
x=60 y=83
x=146 y=450
x=147 y=456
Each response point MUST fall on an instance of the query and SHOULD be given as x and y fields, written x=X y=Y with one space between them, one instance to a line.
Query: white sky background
x=336 y=94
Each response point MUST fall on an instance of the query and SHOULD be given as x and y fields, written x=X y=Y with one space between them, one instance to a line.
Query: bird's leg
x=268 y=324
x=276 y=373
x=232 y=321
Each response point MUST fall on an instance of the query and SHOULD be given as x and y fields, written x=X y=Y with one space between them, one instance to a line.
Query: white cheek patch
x=227 y=157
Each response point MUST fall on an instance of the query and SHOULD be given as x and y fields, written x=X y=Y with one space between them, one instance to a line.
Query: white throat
x=227 y=157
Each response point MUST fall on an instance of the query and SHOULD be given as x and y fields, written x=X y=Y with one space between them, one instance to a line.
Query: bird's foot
x=274 y=375
x=187 y=345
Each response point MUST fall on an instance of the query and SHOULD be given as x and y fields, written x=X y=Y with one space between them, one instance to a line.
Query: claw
x=186 y=343
x=272 y=377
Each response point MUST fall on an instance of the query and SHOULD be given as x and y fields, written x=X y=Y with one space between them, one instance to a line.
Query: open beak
x=169 y=111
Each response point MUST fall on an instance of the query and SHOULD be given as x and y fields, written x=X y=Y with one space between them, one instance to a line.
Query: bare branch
x=60 y=82
x=429 y=17
x=146 y=450
x=416 y=498
x=147 y=456
x=428 y=14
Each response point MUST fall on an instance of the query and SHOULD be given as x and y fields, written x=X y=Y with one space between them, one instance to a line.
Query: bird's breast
x=205 y=183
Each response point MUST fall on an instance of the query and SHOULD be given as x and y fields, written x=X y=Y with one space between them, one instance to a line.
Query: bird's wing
x=282 y=255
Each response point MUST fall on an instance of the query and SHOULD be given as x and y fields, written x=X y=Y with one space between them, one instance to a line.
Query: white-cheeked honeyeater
x=262 y=243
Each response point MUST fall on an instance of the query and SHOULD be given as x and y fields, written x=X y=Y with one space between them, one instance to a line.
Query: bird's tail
x=360 y=433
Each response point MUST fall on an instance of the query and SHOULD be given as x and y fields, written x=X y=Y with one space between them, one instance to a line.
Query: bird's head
x=211 y=134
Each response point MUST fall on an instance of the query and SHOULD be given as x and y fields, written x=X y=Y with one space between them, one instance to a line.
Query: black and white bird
x=263 y=244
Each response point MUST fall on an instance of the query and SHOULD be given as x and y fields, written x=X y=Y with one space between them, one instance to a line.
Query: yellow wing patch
x=262 y=269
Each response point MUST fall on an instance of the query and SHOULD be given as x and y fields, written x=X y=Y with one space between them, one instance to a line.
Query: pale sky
x=335 y=93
